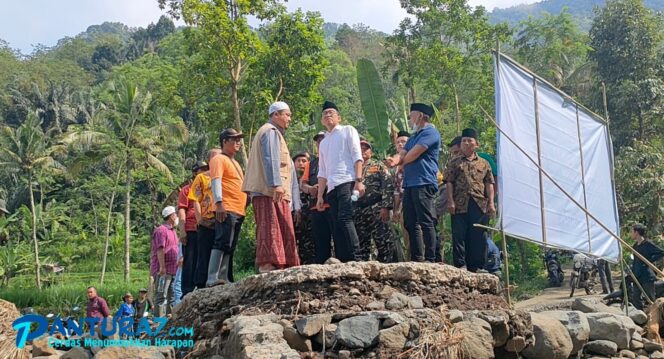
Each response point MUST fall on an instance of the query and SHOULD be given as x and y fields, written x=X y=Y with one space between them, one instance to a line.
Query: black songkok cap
x=403 y=134
x=424 y=108
x=329 y=104
x=455 y=142
x=469 y=132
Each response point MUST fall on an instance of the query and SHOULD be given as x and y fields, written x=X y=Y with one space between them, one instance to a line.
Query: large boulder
x=257 y=337
x=576 y=324
x=601 y=347
x=552 y=340
x=40 y=347
x=611 y=327
x=477 y=342
x=311 y=325
x=358 y=332
x=593 y=305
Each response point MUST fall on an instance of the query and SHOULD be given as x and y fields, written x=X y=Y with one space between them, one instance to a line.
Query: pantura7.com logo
x=141 y=334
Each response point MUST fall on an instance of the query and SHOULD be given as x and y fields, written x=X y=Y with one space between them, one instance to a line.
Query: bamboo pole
x=638 y=284
x=506 y=256
x=583 y=176
x=545 y=173
x=539 y=161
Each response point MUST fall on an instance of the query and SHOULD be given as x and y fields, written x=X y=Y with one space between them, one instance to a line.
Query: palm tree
x=27 y=152
x=131 y=134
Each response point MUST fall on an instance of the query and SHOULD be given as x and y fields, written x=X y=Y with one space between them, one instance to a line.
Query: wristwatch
x=359 y=179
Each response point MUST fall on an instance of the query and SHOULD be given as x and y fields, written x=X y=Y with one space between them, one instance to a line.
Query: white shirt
x=338 y=152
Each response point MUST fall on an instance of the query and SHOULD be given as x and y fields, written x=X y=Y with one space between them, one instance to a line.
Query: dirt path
x=554 y=295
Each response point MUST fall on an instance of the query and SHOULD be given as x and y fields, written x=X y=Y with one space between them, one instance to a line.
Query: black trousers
x=419 y=218
x=226 y=236
x=638 y=297
x=346 y=243
x=604 y=271
x=322 y=225
x=468 y=242
x=189 y=262
x=205 y=242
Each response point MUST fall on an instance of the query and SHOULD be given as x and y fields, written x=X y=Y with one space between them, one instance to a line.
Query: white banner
x=573 y=146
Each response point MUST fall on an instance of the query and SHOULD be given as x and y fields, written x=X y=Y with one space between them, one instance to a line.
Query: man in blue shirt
x=419 y=160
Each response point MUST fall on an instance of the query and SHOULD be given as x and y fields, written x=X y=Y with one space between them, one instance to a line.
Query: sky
x=26 y=23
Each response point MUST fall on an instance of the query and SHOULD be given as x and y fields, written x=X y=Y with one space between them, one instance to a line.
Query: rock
x=576 y=324
x=40 y=347
x=358 y=332
x=77 y=353
x=627 y=354
x=588 y=305
x=642 y=357
x=552 y=340
x=635 y=345
x=477 y=342
x=376 y=305
x=638 y=316
x=455 y=315
x=344 y=354
x=166 y=352
x=657 y=355
x=297 y=341
x=257 y=337
x=394 y=337
x=397 y=301
x=637 y=336
x=332 y=260
x=499 y=327
x=415 y=302
x=386 y=292
x=651 y=346
x=615 y=328
x=328 y=334
x=354 y=292
x=515 y=344
x=95 y=350
x=601 y=347
x=311 y=325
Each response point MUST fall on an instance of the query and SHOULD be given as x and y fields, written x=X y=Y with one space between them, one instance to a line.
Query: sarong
x=275 y=234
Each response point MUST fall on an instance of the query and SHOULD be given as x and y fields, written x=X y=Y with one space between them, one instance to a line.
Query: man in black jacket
x=642 y=272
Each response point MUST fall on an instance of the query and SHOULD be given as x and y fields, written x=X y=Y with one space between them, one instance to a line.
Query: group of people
x=307 y=209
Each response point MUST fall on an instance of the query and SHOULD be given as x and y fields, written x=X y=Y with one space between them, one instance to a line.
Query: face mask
x=177 y=221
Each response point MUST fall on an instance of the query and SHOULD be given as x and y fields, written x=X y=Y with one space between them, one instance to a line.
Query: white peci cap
x=167 y=211
x=278 y=106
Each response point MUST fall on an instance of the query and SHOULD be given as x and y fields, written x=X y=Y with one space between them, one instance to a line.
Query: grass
x=527 y=288
x=63 y=292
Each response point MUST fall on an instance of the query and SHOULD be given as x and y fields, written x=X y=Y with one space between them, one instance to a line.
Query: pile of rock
x=354 y=310
x=590 y=329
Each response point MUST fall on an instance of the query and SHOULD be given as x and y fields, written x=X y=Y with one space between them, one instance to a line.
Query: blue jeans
x=177 y=287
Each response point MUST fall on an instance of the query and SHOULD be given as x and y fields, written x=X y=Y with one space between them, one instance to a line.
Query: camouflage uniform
x=366 y=213
x=303 y=234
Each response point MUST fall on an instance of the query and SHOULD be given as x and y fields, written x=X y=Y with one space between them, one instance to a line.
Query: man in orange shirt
x=230 y=204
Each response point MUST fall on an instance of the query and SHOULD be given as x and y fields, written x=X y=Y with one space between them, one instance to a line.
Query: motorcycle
x=555 y=273
x=584 y=274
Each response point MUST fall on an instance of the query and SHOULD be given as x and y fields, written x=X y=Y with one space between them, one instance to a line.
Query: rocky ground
x=373 y=310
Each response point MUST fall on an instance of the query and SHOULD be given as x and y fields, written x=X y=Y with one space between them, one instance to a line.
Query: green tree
x=639 y=184
x=28 y=152
x=225 y=40
x=552 y=46
x=627 y=41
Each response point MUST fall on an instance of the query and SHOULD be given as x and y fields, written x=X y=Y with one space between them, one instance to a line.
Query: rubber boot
x=223 y=272
x=213 y=267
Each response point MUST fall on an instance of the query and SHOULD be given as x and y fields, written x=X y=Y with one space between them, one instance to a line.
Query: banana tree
x=374 y=106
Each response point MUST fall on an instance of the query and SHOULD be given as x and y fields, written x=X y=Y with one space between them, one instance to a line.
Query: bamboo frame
x=571 y=198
